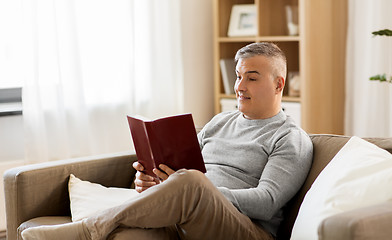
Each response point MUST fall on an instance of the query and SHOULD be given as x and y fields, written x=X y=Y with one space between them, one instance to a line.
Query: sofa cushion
x=356 y=177
x=89 y=198
x=40 y=221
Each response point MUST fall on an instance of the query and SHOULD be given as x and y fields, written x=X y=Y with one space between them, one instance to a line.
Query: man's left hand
x=163 y=172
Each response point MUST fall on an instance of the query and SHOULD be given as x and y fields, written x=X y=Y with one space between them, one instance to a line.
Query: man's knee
x=190 y=177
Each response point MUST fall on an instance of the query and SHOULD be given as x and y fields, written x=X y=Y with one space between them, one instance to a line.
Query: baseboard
x=3 y=234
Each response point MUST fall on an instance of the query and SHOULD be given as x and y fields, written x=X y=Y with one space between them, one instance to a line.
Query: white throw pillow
x=359 y=175
x=89 y=198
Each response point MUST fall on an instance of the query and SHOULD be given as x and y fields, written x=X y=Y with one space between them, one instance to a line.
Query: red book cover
x=171 y=141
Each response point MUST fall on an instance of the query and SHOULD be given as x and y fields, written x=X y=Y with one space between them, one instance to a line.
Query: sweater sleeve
x=283 y=175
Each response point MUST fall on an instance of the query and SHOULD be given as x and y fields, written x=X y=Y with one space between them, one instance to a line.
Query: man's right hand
x=142 y=180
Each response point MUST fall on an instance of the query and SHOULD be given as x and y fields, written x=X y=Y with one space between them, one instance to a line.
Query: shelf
x=260 y=39
x=321 y=69
x=236 y=39
x=227 y=96
x=278 y=39
x=291 y=99
x=284 y=99
x=270 y=29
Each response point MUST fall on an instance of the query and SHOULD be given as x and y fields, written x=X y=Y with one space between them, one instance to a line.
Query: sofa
x=38 y=195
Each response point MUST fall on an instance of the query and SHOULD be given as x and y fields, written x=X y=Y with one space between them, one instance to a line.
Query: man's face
x=257 y=87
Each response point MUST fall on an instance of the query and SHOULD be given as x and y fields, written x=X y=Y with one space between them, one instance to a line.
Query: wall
x=196 y=16
x=11 y=138
x=197 y=47
x=197 y=50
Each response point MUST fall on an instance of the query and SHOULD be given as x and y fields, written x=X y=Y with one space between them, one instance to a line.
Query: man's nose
x=240 y=85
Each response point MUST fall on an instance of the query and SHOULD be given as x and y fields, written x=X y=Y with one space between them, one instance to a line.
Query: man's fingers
x=140 y=189
x=147 y=184
x=163 y=172
x=166 y=169
x=161 y=175
x=142 y=180
x=136 y=165
x=144 y=177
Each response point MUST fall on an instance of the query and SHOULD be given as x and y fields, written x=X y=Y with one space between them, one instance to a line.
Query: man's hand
x=144 y=181
x=163 y=172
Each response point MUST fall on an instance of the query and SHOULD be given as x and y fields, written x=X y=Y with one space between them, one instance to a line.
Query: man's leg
x=125 y=233
x=186 y=199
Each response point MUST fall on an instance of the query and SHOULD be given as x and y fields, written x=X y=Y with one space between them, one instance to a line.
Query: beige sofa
x=37 y=194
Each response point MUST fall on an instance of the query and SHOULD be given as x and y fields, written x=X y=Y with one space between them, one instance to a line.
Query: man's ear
x=280 y=81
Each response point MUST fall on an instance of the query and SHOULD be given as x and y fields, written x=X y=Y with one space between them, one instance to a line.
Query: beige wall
x=197 y=51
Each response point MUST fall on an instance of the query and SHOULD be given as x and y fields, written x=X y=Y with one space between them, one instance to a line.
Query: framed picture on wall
x=243 y=20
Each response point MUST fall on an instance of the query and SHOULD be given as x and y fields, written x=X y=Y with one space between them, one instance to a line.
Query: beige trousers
x=185 y=206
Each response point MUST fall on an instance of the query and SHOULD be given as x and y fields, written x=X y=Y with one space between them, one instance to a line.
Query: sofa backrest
x=325 y=147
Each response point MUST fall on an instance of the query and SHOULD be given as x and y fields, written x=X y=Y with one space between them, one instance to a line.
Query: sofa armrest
x=372 y=222
x=42 y=189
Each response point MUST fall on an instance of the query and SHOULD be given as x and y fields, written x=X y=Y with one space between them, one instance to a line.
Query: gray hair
x=266 y=49
x=263 y=48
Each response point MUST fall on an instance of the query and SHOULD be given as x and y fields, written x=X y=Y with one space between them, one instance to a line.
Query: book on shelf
x=170 y=140
x=227 y=66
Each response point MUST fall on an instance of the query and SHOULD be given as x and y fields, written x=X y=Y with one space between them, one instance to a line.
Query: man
x=256 y=160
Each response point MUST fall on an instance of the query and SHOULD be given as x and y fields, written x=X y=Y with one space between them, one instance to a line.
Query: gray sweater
x=259 y=165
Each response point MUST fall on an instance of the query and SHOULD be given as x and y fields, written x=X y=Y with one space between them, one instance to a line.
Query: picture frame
x=243 y=20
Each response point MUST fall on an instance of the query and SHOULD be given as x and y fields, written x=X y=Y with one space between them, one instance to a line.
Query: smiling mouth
x=242 y=97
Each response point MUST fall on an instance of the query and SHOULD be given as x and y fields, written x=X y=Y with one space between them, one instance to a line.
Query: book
x=170 y=140
x=227 y=66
